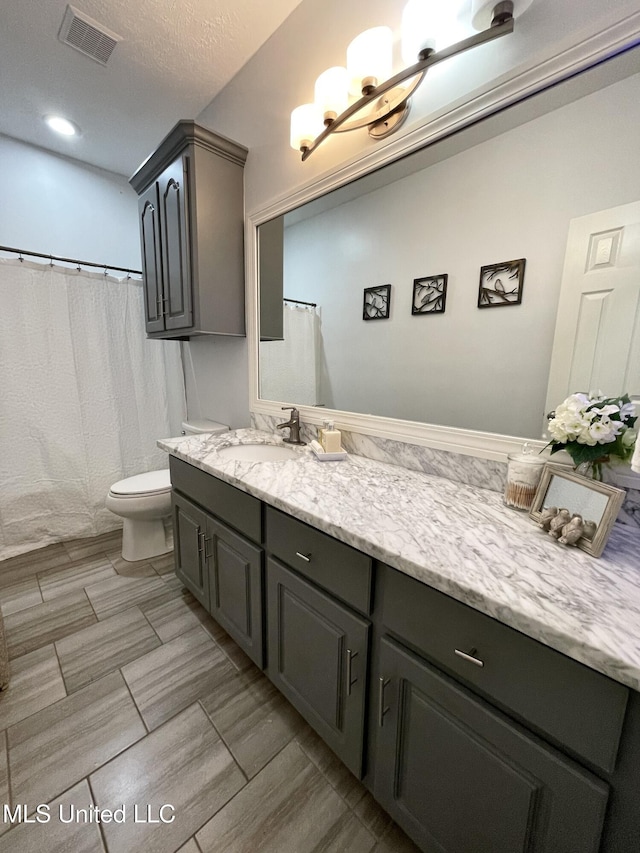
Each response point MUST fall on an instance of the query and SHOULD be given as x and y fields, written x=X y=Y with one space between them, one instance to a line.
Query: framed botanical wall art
x=377 y=302
x=501 y=284
x=429 y=294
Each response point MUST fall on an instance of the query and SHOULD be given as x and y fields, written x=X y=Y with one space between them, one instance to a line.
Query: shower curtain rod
x=78 y=263
x=300 y=302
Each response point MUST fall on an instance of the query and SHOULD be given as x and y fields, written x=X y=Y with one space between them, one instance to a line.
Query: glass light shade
x=369 y=59
x=482 y=11
x=331 y=92
x=306 y=124
x=419 y=28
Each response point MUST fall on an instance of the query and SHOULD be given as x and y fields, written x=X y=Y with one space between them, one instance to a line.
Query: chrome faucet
x=294 y=426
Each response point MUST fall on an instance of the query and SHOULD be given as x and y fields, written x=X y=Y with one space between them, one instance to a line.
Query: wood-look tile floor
x=125 y=695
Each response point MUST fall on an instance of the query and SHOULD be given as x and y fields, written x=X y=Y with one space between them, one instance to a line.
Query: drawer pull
x=469 y=656
x=305 y=557
x=206 y=555
x=382 y=683
x=201 y=542
x=350 y=680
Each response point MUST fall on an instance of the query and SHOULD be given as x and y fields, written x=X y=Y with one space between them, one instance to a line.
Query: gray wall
x=255 y=107
x=54 y=204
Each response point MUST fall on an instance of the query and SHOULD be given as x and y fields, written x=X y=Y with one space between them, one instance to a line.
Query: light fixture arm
x=418 y=70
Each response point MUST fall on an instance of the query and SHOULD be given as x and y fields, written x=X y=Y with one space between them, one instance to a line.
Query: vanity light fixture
x=62 y=125
x=364 y=94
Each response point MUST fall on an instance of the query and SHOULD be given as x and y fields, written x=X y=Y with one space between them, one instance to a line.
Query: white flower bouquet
x=593 y=429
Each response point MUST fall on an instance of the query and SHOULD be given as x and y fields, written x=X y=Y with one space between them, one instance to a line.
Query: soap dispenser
x=331 y=439
x=322 y=430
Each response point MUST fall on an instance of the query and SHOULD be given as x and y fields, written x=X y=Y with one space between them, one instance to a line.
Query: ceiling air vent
x=88 y=36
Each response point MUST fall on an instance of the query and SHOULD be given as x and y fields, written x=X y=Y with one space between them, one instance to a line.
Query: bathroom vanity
x=479 y=678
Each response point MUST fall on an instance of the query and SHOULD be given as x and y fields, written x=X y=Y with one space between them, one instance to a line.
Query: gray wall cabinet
x=191 y=232
x=270 y=278
x=471 y=735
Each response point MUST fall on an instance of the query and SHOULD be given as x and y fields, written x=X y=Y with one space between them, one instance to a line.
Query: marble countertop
x=459 y=539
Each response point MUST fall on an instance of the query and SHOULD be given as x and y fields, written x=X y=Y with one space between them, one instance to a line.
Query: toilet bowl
x=144 y=501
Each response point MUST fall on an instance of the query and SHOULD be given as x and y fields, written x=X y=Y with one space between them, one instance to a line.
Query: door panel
x=597 y=339
x=318 y=658
x=189 y=531
x=175 y=244
x=460 y=777
x=150 y=238
x=235 y=575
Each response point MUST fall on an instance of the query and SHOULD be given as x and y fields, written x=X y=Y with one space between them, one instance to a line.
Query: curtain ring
x=105 y=271
x=20 y=258
x=50 y=260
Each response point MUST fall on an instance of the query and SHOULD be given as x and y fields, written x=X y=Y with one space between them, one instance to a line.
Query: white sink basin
x=258 y=453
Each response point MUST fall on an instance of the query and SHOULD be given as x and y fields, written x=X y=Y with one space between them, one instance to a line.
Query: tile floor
x=125 y=694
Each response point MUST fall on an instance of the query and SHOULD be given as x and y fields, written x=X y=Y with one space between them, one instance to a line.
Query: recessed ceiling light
x=62 y=125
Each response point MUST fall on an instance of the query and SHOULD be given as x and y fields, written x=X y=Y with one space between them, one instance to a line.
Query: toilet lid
x=152 y=482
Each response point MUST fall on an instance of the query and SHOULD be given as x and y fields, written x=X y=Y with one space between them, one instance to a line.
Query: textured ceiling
x=175 y=56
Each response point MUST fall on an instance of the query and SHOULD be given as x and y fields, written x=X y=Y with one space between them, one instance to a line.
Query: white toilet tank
x=197 y=426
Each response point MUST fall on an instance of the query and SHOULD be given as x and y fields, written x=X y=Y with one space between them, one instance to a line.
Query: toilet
x=144 y=501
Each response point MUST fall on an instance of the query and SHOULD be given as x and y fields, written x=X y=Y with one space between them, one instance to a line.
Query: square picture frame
x=377 y=302
x=594 y=501
x=429 y=295
x=501 y=284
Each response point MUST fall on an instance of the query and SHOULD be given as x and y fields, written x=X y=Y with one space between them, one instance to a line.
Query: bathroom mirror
x=596 y=503
x=505 y=188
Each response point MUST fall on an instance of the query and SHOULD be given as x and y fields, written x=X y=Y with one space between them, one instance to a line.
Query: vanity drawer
x=338 y=568
x=578 y=708
x=237 y=508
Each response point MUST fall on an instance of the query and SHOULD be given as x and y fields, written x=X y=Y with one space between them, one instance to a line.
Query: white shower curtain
x=289 y=368
x=83 y=398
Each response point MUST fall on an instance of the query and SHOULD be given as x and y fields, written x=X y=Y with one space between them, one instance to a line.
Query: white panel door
x=597 y=338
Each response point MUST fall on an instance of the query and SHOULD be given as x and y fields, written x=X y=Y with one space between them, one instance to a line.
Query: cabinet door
x=150 y=238
x=178 y=302
x=189 y=534
x=460 y=777
x=318 y=658
x=235 y=585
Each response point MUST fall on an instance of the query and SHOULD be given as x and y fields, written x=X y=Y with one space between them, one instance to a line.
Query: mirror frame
x=505 y=92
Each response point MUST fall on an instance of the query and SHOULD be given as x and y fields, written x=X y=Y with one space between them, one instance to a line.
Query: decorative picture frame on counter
x=430 y=294
x=377 y=302
x=575 y=510
x=501 y=284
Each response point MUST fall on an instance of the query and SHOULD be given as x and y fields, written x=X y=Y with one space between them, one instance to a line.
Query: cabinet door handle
x=201 y=542
x=206 y=555
x=350 y=679
x=382 y=683
x=469 y=656
x=305 y=557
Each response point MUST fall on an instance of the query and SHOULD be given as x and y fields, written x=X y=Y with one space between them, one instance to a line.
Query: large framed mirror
x=505 y=188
